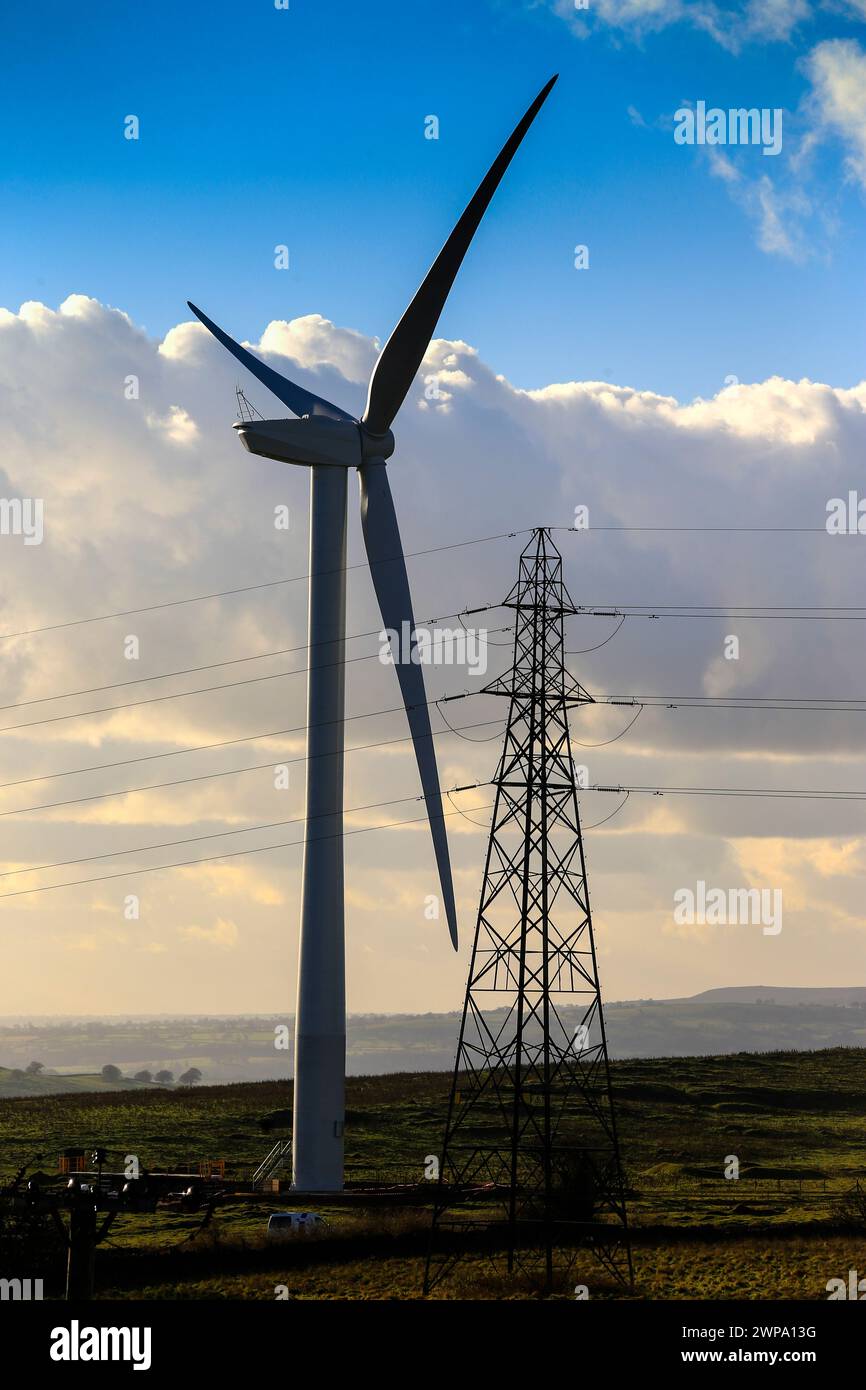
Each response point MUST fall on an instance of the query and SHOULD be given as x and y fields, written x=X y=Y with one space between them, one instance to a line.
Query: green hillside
x=14 y=1082
x=795 y=1121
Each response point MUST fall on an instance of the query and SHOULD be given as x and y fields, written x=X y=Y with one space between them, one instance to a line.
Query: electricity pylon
x=530 y=1169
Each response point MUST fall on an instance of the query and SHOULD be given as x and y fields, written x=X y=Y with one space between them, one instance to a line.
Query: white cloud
x=775 y=20
x=132 y=518
x=779 y=227
x=723 y=166
x=313 y=341
x=776 y=215
x=176 y=425
x=780 y=214
x=639 y=16
x=758 y=21
x=837 y=70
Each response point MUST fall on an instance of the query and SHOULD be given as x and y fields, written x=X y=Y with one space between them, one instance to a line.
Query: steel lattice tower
x=530 y=1169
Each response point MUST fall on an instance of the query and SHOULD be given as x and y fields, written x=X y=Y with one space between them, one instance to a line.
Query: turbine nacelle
x=314 y=439
x=310 y=440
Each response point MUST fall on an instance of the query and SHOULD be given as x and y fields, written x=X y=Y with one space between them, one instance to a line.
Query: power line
x=413 y=554
x=827 y=616
x=596 y=824
x=234 y=771
x=737 y=616
x=770 y=793
x=701 y=530
x=457 y=811
x=178 y=695
x=212 y=835
x=219 y=858
x=622 y=733
x=736 y=608
x=761 y=699
x=167 y=675
x=457 y=730
x=582 y=651
x=236 y=661
x=856 y=705
x=244 y=589
x=627 y=701
x=207 y=747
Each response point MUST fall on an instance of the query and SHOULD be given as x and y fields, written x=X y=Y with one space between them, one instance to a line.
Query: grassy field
x=794 y=1121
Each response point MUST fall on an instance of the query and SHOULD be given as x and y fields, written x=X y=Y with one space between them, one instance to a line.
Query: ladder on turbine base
x=273 y=1163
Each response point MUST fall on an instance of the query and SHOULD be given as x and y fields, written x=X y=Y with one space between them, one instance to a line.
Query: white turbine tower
x=329 y=442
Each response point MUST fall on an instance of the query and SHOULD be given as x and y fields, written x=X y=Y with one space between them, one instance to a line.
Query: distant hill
x=741 y=1018
x=720 y=1021
x=781 y=994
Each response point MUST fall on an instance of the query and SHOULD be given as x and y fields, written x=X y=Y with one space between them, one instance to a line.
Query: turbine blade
x=295 y=397
x=404 y=351
x=391 y=582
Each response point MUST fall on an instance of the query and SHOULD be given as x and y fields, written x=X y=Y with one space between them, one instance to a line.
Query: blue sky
x=305 y=127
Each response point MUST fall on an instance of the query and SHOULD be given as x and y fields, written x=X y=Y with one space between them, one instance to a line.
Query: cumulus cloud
x=176 y=425
x=312 y=341
x=150 y=500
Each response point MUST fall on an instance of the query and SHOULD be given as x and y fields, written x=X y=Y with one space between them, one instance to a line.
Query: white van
x=282 y=1225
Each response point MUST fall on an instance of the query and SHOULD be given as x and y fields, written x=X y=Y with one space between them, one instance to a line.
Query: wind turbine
x=329 y=442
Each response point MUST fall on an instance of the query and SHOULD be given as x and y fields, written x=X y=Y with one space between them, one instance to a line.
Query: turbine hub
x=376 y=446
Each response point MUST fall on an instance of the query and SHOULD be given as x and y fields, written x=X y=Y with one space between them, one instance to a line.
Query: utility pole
x=530 y=1168
x=82 y=1241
